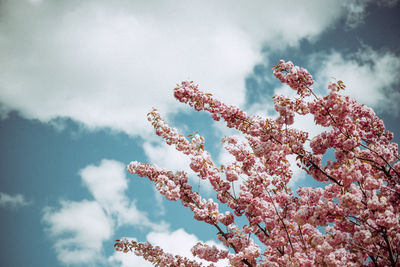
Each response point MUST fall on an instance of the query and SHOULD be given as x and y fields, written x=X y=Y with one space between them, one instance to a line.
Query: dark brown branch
x=283 y=223
x=245 y=261
x=389 y=247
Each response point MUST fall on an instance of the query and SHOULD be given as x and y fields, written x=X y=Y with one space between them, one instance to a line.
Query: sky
x=77 y=79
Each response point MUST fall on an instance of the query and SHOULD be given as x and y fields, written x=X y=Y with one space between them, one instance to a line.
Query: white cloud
x=225 y=157
x=298 y=173
x=121 y=259
x=105 y=67
x=177 y=242
x=370 y=76
x=304 y=123
x=107 y=183
x=357 y=10
x=79 y=228
x=13 y=201
x=160 y=209
x=168 y=157
x=221 y=131
x=105 y=64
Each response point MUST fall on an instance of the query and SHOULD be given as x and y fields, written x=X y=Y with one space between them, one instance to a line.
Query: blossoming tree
x=353 y=220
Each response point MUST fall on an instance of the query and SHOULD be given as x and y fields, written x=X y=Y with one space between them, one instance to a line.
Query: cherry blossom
x=353 y=219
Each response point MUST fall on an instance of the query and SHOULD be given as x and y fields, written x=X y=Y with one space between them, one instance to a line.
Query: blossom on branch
x=358 y=205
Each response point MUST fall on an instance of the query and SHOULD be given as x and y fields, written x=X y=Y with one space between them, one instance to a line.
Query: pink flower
x=357 y=203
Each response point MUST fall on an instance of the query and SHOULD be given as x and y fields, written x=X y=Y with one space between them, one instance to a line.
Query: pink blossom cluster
x=209 y=253
x=172 y=136
x=358 y=205
x=200 y=159
x=246 y=250
x=297 y=78
x=175 y=186
x=189 y=93
x=287 y=108
x=154 y=254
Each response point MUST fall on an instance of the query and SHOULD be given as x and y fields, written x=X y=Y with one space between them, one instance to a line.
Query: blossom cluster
x=209 y=253
x=175 y=186
x=154 y=254
x=297 y=78
x=287 y=108
x=357 y=205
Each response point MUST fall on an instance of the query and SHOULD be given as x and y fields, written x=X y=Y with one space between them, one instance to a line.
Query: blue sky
x=78 y=77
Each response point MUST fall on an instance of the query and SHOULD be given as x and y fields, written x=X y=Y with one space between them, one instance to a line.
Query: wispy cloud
x=107 y=183
x=105 y=64
x=357 y=10
x=79 y=228
x=371 y=76
x=13 y=201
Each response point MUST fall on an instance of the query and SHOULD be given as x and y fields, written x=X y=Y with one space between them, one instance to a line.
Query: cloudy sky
x=78 y=77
